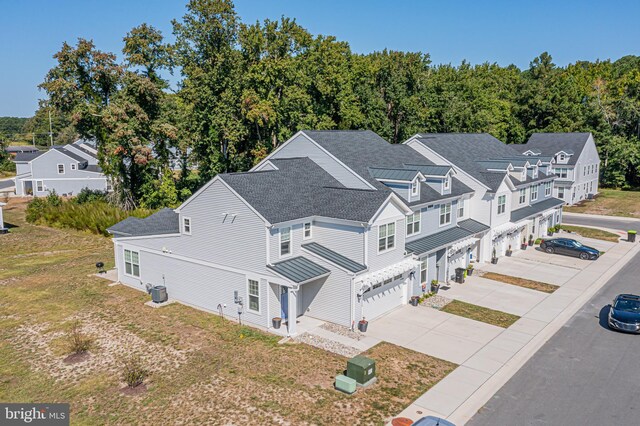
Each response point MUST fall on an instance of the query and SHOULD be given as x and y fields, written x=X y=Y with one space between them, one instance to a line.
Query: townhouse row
x=341 y=225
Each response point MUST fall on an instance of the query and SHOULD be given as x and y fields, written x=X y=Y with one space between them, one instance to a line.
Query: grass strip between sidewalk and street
x=521 y=282
x=480 y=313
x=597 y=234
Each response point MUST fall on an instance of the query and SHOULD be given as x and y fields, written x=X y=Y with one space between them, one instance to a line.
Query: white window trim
x=58 y=168
x=522 y=196
x=413 y=227
x=547 y=189
x=395 y=240
x=280 y=242
x=304 y=231
x=461 y=206
x=248 y=301
x=532 y=193
x=424 y=261
x=415 y=188
x=41 y=185
x=445 y=214
x=124 y=262
x=446 y=183
x=504 y=210
x=184 y=228
x=74 y=166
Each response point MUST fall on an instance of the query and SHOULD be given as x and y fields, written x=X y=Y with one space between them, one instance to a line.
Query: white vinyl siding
x=253 y=292
x=132 y=263
x=445 y=214
x=386 y=237
x=413 y=223
x=502 y=204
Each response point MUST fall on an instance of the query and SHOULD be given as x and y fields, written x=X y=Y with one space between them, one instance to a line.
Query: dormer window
x=415 y=186
x=561 y=157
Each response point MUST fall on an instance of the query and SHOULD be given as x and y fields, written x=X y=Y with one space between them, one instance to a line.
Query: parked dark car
x=624 y=313
x=569 y=247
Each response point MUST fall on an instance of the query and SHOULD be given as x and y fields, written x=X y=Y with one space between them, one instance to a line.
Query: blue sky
x=506 y=32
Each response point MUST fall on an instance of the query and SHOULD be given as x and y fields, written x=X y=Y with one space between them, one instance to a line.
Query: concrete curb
x=486 y=391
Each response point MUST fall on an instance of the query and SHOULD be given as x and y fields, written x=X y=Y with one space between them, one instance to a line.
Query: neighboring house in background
x=14 y=149
x=575 y=162
x=66 y=169
x=513 y=193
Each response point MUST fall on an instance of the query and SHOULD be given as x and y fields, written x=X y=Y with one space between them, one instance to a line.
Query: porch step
x=361 y=345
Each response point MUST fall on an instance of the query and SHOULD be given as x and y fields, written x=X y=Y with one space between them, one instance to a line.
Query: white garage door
x=381 y=300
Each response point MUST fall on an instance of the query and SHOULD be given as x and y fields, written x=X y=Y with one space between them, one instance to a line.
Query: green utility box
x=361 y=369
x=345 y=384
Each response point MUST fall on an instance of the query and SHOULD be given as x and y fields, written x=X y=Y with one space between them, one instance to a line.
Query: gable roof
x=405 y=175
x=549 y=144
x=165 y=221
x=300 y=188
x=70 y=154
x=467 y=151
x=25 y=157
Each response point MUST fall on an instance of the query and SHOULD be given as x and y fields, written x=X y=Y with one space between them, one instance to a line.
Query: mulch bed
x=138 y=390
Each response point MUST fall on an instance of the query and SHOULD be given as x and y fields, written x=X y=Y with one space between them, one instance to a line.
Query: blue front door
x=284 y=302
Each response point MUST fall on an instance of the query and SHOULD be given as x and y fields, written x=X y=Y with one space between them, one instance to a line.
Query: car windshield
x=628 y=305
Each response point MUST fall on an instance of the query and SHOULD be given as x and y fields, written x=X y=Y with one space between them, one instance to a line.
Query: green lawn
x=480 y=313
x=597 y=234
x=611 y=202
x=521 y=282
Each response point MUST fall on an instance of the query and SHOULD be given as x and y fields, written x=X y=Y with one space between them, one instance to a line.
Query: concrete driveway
x=433 y=332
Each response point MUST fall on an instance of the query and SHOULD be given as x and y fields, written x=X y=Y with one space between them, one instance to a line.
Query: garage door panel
x=380 y=301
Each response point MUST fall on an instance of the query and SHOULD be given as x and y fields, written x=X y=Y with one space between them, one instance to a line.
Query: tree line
x=245 y=88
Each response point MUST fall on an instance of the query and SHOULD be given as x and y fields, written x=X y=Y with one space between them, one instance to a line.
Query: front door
x=284 y=302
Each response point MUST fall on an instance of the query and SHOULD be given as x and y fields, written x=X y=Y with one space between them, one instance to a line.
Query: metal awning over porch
x=535 y=209
x=438 y=240
x=299 y=270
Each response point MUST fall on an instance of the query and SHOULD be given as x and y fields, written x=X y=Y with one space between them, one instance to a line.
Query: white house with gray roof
x=336 y=225
x=65 y=169
x=512 y=193
x=575 y=159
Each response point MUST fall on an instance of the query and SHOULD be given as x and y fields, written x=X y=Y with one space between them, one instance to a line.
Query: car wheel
x=543 y=246
x=550 y=250
x=584 y=256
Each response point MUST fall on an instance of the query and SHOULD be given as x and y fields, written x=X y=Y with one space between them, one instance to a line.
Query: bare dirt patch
x=133 y=391
x=76 y=358
x=520 y=282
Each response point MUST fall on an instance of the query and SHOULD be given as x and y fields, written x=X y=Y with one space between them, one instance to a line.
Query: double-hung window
x=186 y=225
x=561 y=173
x=132 y=263
x=561 y=192
x=461 y=208
x=423 y=271
x=534 y=192
x=547 y=189
x=306 y=231
x=60 y=169
x=74 y=166
x=447 y=182
x=39 y=186
x=502 y=204
x=413 y=223
x=415 y=185
x=386 y=237
x=253 y=291
x=523 y=196
x=285 y=241
x=445 y=214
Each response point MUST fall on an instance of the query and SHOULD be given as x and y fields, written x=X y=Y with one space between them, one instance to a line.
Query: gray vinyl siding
x=301 y=146
x=194 y=284
x=400 y=189
x=329 y=298
x=296 y=242
x=430 y=220
x=22 y=168
x=274 y=300
x=588 y=157
x=379 y=261
x=343 y=239
x=70 y=187
x=240 y=243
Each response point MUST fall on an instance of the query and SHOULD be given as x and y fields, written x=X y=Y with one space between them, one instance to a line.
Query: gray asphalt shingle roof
x=334 y=257
x=467 y=150
x=548 y=144
x=493 y=179
x=22 y=148
x=71 y=155
x=93 y=168
x=27 y=156
x=393 y=174
x=299 y=269
x=300 y=188
x=164 y=221
x=430 y=170
x=541 y=177
x=525 y=212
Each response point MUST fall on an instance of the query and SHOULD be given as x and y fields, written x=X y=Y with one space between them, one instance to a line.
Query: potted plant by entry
x=363 y=324
x=508 y=252
x=435 y=286
x=530 y=240
x=415 y=300
x=470 y=269
x=494 y=257
x=277 y=322
x=551 y=231
x=523 y=246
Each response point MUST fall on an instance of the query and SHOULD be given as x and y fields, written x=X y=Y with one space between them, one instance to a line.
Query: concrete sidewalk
x=459 y=395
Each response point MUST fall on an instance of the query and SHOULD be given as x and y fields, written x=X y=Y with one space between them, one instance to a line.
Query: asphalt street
x=621 y=224
x=585 y=374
